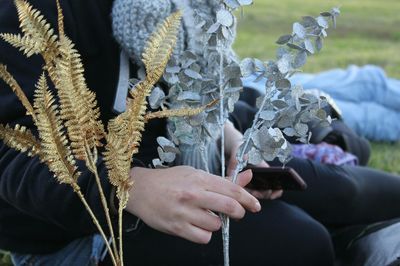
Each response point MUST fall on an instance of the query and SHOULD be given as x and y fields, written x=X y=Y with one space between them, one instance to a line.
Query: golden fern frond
x=60 y=19
x=10 y=81
x=55 y=149
x=21 y=139
x=179 y=112
x=160 y=46
x=78 y=104
x=125 y=131
x=118 y=162
x=34 y=26
x=25 y=44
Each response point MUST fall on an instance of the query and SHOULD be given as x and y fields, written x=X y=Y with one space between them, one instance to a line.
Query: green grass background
x=368 y=32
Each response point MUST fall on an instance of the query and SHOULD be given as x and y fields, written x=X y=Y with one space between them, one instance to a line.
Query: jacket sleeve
x=25 y=183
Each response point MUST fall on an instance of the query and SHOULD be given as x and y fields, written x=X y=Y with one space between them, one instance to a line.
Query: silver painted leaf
x=301 y=129
x=326 y=14
x=225 y=18
x=284 y=39
x=156 y=97
x=299 y=30
x=309 y=21
x=233 y=4
x=300 y=59
x=283 y=84
x=214 y=27
x=309 y=46
x=192 y=74
x=295 y=46
x=189 y=95
x=289 y=131
x=162 y=141
x=280 y=104
x=322 y=22
x=255 y=157
x=245 y=2
x=267 y=115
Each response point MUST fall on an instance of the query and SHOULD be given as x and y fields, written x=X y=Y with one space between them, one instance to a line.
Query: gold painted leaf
x=55 y=148
x=21 y=139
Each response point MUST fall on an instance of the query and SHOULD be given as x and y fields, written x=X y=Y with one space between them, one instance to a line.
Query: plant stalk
x=224 y=218
x=92 y=167
x=78 y=191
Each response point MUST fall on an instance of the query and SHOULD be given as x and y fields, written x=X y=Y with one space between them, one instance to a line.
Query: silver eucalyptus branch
x=284 y=106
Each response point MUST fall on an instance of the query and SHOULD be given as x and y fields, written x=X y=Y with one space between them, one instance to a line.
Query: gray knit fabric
x=133 y=22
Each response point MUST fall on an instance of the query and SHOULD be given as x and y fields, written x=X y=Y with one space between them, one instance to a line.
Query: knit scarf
x=133 y=22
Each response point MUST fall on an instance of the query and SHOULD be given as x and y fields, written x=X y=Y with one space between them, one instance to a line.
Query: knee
x=311 y=243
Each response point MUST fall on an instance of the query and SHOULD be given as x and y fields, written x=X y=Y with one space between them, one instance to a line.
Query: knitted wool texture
x=133 y=22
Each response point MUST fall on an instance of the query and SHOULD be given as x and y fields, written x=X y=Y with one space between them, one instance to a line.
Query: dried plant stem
x=240 y=158
x=78 y=191
x=121 y=252
x=92 y=159
x=224 y=218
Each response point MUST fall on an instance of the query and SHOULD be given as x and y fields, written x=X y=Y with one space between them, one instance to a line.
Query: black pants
x=345 y=195
x=280 y=235
x=283 y=234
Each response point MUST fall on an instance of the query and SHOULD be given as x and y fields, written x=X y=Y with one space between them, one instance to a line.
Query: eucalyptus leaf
x=284 y=39
x=299 y=30
x=300 y=59
x=322 y=22
x=255 y=157
x=156 y=98
x=224 y=18
x=245 y=2
x=214 y=27
x=283 y=84
x=267 y=115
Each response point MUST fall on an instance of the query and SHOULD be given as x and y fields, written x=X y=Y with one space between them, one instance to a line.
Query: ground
x=368 y=32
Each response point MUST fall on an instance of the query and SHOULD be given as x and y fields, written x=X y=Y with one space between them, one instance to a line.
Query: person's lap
x=345 y=195
x=280 y=235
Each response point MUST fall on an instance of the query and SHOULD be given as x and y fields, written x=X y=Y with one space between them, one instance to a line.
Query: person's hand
x=233 y=140
x=182 y=200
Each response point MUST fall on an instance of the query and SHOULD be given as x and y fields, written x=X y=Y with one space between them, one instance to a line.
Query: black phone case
x=276 y=178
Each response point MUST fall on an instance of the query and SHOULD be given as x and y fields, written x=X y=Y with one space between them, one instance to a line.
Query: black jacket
x=38 y=215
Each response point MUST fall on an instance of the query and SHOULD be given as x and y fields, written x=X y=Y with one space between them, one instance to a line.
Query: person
x=43 y=222
x=356 y=203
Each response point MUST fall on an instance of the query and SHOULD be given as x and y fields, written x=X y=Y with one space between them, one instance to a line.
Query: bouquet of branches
x=68 y=118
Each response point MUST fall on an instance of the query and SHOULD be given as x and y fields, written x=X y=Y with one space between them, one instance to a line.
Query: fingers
x=244 y=178
x=205 y=219
x=193 y=233
x=234 y=191
x=276 y=194
x=266 y=194
x=222 y=204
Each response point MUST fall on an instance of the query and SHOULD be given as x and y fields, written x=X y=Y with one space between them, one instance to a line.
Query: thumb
x=244 y=178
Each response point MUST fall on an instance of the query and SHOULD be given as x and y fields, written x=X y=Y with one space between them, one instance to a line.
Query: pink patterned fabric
x=324 y=153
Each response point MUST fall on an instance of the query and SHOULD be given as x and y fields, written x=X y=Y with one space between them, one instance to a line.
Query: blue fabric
x=368 y=99
x=82 y=252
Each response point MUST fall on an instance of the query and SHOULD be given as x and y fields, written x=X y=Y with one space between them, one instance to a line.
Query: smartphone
x=275 y=178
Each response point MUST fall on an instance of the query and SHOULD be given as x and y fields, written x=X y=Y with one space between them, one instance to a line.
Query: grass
x=368 y=32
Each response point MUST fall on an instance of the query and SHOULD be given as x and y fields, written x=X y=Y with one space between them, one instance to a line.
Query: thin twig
x=78 y=191
x=92 y=159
